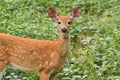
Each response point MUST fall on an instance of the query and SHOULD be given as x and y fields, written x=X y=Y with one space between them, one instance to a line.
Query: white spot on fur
x=19 y=56
x=51 y=63
x=46 y=63
x=52 y=55
x=34 y=53
x=47 y=67
x=22 y=51
x=40 y=65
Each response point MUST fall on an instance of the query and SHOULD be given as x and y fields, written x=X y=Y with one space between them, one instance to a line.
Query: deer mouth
x=64 y=30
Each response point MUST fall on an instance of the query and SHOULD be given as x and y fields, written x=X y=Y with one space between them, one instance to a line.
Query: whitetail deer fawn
x=46 y=57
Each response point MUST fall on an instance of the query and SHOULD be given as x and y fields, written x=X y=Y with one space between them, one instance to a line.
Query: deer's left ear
x=52 y=13
x=75 y=13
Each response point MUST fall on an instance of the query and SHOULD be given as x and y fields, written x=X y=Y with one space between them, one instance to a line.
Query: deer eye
x=69 y=22
x=59 y=22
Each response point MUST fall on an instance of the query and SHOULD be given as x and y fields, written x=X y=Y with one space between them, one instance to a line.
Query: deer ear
x=75 y=13
x=52 y=13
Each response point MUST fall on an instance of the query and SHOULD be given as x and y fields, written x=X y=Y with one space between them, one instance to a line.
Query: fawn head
x=64 y=22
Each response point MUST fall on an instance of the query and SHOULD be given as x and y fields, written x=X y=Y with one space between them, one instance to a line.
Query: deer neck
x=64 y=44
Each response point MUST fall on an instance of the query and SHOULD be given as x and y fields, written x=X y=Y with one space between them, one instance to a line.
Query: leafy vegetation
x=95 y=43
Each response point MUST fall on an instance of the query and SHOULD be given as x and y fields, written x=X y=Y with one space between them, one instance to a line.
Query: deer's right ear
x=75 y=13
x=52 y=13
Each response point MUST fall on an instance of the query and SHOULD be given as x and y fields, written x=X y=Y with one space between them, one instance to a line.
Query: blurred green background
x=95 y=36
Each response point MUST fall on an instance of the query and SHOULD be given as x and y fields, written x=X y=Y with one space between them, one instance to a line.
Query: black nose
x=64 y=30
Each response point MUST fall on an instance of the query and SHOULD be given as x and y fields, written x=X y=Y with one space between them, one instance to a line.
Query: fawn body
x=44 y=56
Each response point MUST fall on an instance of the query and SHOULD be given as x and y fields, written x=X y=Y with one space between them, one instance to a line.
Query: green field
x=95 y=35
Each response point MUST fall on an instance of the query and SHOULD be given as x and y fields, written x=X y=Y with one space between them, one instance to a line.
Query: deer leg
x=44 y=76
x=3 y=63
x=52 y=77
x=1 y=73
x=2 y=68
